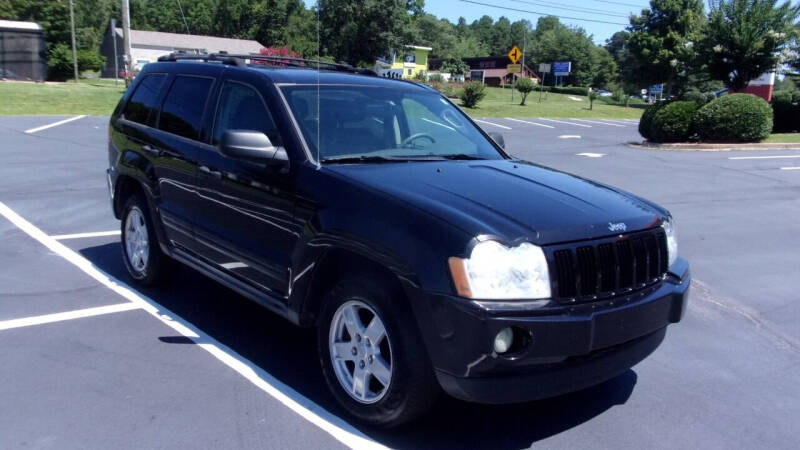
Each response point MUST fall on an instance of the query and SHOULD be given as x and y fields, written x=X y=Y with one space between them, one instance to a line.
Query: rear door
x=175 y=140
x=245 y=220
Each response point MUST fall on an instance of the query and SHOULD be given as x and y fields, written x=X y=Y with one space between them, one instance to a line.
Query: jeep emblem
x=617 y=226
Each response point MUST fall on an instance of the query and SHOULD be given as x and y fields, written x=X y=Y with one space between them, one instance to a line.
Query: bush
x=472 y=94
x=571 y=90
x=701 y=98
x=735 y=118
x=647 y=119
x=59 y=62
x=618 y=96
x=449 y=90
x=786 y=111
x=436 y=78
x=524 y=86
x=673 y=122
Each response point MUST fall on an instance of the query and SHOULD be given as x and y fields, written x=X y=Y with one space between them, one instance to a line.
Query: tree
x=663 y=41
x=554 y=41
x=454 y=66
x=524 y=86
x=604 y=68
x=360 y=31
x=744 y=38
x=592 y=94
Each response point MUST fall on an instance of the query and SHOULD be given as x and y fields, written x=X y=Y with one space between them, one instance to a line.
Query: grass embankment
x=783 y=138
x=91 y=96
x=497 y=103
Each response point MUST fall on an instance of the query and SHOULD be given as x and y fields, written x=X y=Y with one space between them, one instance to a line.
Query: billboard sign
x=562 y=68
x=657 y=89
x=544 y=68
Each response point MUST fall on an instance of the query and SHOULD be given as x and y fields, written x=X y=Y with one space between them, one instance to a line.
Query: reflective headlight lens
x=672 y=241
x=494 y=271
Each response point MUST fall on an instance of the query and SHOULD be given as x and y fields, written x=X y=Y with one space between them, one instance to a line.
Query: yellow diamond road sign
x=514 y=55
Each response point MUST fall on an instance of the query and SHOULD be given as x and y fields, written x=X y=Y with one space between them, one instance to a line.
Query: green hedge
x=734 y=118
x=572 y=90
x=647 y=119
x=673 y=122
x=786 y=111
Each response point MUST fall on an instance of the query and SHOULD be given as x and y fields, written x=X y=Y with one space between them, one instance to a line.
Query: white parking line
x=790 y=168
x=568 y=123
x=69 y=315
x=569 y=136
x=490 y=123
x=531 y=123
x=591 y=155
x=601 y=123
x=765 y=157
x=55 y=124
x=304 y=407
x=60 y=237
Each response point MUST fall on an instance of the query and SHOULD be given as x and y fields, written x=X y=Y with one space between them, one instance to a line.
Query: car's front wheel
x=140 y=248
x=372 y=356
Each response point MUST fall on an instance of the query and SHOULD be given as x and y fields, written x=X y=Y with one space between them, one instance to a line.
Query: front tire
x=372 y=356
x=143 y=257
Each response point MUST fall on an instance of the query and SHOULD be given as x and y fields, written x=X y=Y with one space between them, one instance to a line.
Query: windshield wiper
x=376 y=158
x=462 y=157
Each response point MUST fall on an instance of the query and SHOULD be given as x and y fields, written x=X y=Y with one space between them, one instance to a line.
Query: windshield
x=372 y=123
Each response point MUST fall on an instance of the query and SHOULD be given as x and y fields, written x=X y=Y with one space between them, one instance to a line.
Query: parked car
x=377 y=213
x=604 y=93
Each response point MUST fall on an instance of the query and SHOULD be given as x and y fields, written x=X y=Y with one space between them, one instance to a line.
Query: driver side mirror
x=252 y=146
x=498 y=138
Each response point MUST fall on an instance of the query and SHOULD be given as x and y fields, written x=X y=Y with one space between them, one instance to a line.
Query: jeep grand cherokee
x=376 y=212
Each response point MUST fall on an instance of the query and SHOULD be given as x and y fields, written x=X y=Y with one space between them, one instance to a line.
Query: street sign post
x=544 y=68
x=514 y=54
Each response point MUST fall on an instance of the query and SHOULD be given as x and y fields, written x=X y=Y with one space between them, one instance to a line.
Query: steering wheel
x=416 y=136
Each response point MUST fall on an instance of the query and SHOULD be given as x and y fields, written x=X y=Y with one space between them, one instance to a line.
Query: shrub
x=592 y=94
x=786 y=111
x=454 y=66
x=618 y=96
x=436 y=78
x=735 y=117
x=59 y=61
x=673 y=122
x=647 y=119
x=472 y=94
x=571 y=90
x=698 y=97
x=524 y=86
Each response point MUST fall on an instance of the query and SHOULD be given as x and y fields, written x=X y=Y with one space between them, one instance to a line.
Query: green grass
x=783 y=138
x=497 y=103
x=95 y=97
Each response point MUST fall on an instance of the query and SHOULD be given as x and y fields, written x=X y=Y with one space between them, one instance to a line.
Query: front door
x=245 y=210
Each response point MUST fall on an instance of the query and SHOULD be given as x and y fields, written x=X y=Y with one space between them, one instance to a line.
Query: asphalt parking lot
x=90 y=360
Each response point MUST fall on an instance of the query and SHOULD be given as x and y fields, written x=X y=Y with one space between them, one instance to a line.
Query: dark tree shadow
x=289 y=353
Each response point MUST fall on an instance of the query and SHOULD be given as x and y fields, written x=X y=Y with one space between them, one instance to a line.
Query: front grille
x=585 y=271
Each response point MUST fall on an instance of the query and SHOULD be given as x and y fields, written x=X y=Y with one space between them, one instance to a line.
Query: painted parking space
x=127 y=378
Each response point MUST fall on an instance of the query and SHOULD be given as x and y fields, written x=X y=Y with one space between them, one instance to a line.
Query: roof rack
x=279 y=61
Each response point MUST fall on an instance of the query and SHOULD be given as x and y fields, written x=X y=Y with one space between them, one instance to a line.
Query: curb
x=715 y=147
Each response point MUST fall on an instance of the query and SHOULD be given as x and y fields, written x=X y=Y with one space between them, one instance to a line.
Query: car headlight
x=672 y=241
x=494 y=271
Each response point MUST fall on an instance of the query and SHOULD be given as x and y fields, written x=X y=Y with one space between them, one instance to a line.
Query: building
x=147 y=46
x=23 y=53
x=491 y=70
x=406 y=64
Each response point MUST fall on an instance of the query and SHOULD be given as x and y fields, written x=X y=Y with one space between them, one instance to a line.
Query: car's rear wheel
x=140 y=247
x=372 y=355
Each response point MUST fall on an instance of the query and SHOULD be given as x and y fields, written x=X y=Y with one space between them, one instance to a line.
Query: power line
x=572 y=8
x=620 y=3
x=541 y=13
x=184 y=17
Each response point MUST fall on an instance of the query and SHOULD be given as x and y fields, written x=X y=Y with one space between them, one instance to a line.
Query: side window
x=183 y=107
x=241 y=108
x=144 y=98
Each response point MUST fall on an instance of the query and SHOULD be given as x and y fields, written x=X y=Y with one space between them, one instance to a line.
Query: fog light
x=503 y=340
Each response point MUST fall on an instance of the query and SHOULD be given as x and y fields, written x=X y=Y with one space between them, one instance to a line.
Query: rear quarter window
x=182 y=112
x=143 y=100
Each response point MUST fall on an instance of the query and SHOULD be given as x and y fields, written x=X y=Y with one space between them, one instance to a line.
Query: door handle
x=151 y=150
x=209 y=171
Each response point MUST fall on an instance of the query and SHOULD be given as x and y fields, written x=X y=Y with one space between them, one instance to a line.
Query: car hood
x=509 y=200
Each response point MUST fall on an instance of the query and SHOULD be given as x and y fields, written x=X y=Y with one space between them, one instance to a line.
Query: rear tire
x=397 y=383
x=141 y=251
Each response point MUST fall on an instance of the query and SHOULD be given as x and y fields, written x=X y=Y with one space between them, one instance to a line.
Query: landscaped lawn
x=784 y=138
x=497 y=103
x=95 y=97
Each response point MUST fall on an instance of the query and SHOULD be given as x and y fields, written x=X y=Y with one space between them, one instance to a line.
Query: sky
x=615 y=11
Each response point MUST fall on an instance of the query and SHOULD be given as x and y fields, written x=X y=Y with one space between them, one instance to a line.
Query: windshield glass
x=373 y=123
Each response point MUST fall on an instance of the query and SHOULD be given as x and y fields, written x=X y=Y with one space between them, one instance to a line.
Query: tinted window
x=144 y=98
x=241 y=108
x=183 y=107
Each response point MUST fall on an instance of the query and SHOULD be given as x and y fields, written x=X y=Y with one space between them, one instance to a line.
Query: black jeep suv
x=377 y=212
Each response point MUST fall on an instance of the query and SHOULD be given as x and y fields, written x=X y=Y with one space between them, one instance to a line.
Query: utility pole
x=126 y=37
x=116 y=58
x=524 y=41
x=74 y=51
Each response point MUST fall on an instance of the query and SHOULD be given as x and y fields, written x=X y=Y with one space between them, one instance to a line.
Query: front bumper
x=566 y=347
